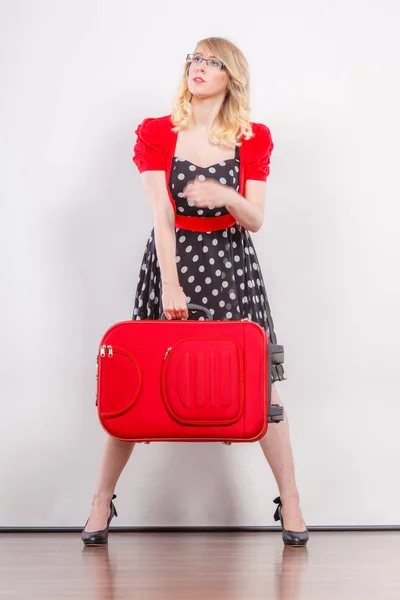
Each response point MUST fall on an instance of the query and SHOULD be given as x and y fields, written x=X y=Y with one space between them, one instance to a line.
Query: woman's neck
x=205 y=112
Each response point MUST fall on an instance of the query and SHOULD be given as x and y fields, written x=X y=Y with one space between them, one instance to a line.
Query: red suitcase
x=186 y=380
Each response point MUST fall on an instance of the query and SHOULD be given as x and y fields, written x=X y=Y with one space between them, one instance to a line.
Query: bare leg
x=114 y=458
x=278 y=452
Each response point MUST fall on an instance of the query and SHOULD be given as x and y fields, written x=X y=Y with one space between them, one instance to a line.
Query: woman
x=204 y=171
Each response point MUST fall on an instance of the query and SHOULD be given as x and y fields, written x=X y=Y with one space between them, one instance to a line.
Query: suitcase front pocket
x=202 y=381
x=120 y=383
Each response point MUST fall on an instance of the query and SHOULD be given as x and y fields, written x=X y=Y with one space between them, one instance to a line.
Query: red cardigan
x=154 y=151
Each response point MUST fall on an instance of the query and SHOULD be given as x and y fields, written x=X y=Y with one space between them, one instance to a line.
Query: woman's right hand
x=174 y=302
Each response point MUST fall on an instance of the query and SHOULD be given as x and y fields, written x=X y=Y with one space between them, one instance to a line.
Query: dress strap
x=237 y=152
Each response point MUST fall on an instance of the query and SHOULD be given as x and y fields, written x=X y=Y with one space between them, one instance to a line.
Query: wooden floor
x=200 y=566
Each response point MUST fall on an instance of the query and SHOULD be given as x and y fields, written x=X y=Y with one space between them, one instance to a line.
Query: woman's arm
x=248 y=210
x=174 y=300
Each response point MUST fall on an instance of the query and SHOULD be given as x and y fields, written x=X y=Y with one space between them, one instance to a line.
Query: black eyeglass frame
x=190 y=57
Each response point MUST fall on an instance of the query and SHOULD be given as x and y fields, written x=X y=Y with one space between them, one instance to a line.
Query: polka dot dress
x=217 y=269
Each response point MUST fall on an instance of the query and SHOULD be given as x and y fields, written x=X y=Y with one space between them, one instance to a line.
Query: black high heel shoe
x=290 y=538
x=99 y=538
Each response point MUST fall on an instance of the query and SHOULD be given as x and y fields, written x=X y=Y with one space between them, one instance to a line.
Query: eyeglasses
x=212 y=62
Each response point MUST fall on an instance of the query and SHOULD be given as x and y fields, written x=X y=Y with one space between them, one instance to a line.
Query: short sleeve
x=262 y=146
x=148 y=154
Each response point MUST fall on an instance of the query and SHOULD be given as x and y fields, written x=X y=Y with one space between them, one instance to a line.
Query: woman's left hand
x=208 y=193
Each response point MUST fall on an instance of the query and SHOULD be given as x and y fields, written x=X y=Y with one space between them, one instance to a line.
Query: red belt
x=204 y=223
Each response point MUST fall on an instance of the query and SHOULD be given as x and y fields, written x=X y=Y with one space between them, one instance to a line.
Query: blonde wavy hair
x=234 y=115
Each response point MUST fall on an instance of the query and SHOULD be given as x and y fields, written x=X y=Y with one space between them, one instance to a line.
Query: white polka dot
x=255 y=266
x=225 y=284
x=180 y=208
x=234 y=244
x=205 y=249
x=184 y=269
x=236 y=169
x=212 y=170
x=181 y=195
x=212 y=311
x=191 y=279
x=211 y=261
x=215 y=292
x=190 y=203
x=232 y=296
x=201 y=319
x=200 y=237
x=229 y=315
x=202 y=268
x=221 y=253
x=221 y=303
x=208 y=279
x=231 y=172
x=234 y=180
x=215 y=242
x=228 y=264
x=225 y=234
x=188 y=249
x=218 y=273
x=201 y=178
x=182 y=238
x=192 y=168
x=177 y=259
x=181 y=176
x=237 y=258
x=200 y=212
x=195 y=258
x=197 y=288
x=242 y=286
x=222 y=163
x=173 y=186
x=218 y=214
x=204 y=300
x=222 y=180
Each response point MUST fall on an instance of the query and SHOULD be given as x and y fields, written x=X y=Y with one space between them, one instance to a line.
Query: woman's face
x=206 y=80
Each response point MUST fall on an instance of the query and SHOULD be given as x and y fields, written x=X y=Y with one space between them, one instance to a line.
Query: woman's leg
x=278 y=452
x=114 y=458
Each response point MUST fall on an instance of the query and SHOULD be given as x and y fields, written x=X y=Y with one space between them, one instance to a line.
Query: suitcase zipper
x=103 y=351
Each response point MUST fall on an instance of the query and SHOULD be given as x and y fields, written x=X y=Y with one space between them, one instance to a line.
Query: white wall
x=76 y=78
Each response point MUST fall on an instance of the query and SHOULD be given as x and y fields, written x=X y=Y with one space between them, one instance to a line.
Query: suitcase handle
x=209 y=316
